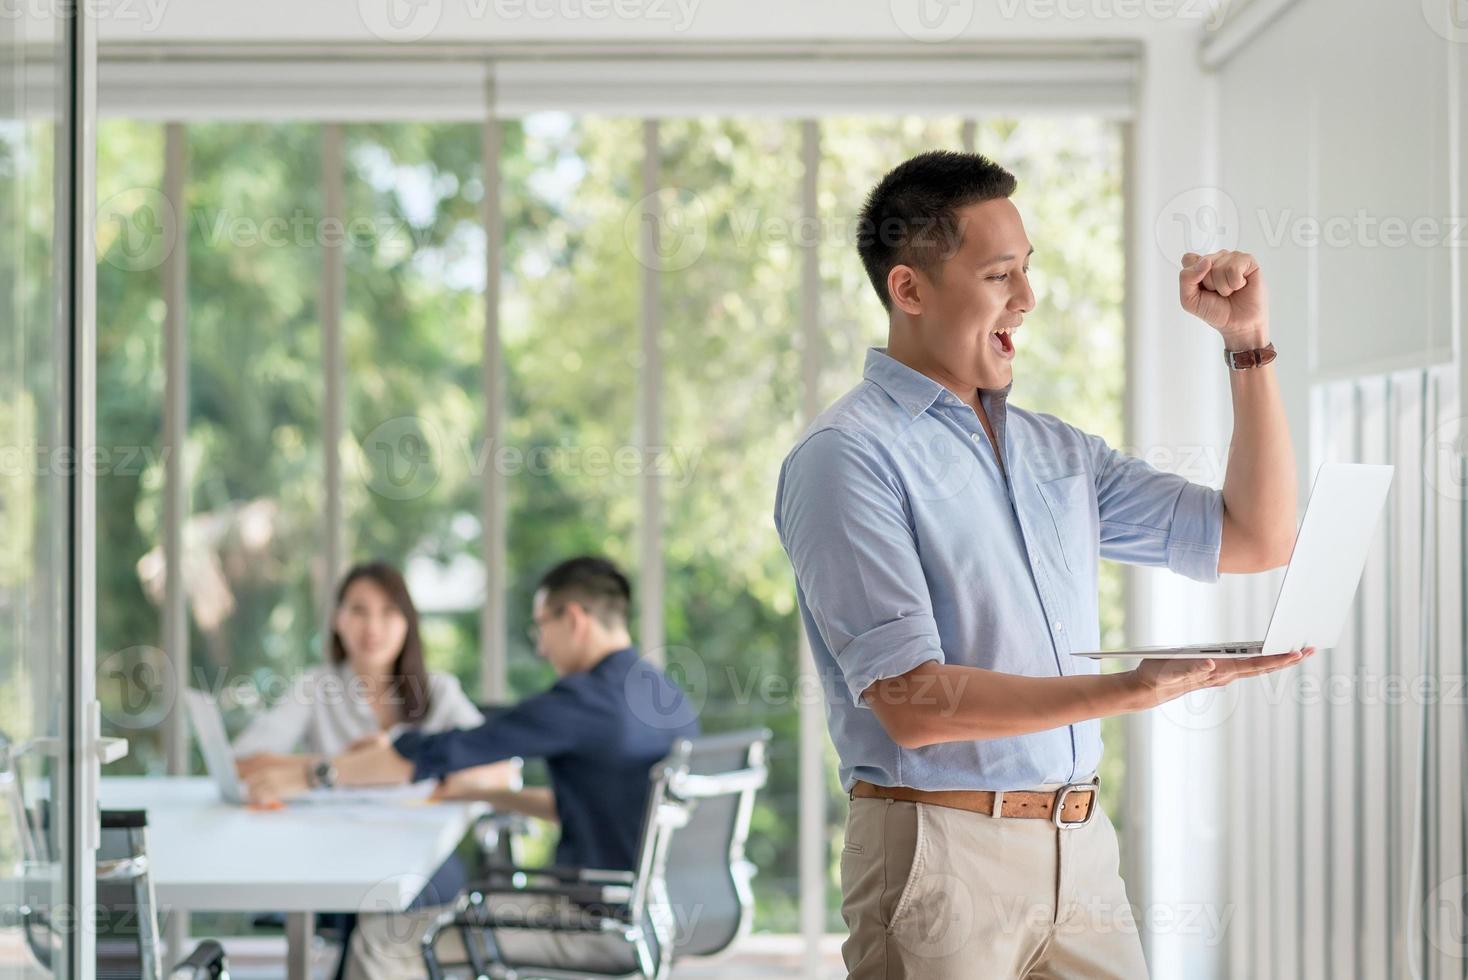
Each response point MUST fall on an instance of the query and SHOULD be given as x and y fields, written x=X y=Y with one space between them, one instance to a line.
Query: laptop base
x=1216 y=651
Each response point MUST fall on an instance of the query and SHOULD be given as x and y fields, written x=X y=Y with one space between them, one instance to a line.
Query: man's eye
x=999 y=278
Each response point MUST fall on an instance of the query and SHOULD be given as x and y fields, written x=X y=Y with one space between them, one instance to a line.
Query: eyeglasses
x=537 y=628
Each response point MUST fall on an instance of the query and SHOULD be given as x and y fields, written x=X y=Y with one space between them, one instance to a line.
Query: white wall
x=444 y=22
x=1352 y=113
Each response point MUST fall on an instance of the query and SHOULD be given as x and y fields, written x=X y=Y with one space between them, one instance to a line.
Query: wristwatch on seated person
x=1242 y=360
x=322 y=775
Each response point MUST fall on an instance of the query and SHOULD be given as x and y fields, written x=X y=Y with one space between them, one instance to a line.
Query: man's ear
x=578 y=616
x=906 y=288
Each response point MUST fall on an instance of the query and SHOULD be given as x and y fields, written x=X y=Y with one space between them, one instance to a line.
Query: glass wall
x=570 y=461
x=730 y=295
x=44 y=461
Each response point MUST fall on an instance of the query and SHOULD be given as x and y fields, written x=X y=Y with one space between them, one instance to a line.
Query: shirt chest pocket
x=1069 y=502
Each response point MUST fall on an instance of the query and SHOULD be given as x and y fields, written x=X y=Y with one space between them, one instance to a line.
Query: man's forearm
x=533 y=801
x=951 y=703
x=1259 y=486
x=376 y=766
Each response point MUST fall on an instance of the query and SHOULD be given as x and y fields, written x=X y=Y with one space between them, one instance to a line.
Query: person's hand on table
x=251 y=764
x=272 y=784
x=372 y=761
x=1164 y=679
x=479 y=782
x=376 y=741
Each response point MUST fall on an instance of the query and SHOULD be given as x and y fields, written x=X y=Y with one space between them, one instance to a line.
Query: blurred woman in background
x=376 y=685
x=375 y=682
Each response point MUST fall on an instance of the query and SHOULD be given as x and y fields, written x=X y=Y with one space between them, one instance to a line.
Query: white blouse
x=327 y=710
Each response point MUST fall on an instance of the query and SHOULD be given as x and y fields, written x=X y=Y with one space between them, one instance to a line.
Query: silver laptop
x=214 y=744
x=1325 y=568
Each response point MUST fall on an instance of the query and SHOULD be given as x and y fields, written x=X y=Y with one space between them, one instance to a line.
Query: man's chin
x=995 y=376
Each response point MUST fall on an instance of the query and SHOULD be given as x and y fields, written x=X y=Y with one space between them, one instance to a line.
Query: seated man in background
x=600 y=728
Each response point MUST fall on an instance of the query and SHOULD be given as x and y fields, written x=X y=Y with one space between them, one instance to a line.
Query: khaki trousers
x=934 y=893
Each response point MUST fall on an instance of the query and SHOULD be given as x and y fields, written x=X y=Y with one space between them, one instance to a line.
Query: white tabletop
x=345 y=856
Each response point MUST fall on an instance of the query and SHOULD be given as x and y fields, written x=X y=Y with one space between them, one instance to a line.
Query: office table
x=347 y=855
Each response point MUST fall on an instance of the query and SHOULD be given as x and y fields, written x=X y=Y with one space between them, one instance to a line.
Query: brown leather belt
x=1067 y=807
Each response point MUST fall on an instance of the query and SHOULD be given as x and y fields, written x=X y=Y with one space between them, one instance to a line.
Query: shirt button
x=1058 y=626
x=974 y=436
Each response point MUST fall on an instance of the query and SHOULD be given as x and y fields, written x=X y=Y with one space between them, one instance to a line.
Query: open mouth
x=1002 y=342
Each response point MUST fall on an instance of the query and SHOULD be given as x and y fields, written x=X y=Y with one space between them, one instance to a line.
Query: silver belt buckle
x=1056 y=814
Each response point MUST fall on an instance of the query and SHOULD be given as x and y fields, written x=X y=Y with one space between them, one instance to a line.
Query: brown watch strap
x=1242 y=360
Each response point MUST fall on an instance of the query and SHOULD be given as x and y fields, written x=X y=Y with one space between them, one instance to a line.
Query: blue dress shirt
x=600 y=732
x=911 y=544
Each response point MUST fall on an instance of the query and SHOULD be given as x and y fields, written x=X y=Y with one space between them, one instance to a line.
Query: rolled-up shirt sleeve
x=1150 y=517
x=842 y=520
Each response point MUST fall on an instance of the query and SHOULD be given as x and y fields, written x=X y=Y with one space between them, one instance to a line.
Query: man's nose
x=1023 y=299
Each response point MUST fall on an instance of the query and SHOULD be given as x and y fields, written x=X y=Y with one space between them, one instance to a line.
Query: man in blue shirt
x=945 y=546
x=601 y=727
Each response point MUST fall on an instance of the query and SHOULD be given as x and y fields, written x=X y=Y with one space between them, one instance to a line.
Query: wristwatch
x=1242 y=360
x=323 y=774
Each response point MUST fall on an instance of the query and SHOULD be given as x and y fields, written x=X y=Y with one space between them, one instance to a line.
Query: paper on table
x=411 y=793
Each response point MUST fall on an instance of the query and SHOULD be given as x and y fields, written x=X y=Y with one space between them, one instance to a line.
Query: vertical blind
x=1347 y=852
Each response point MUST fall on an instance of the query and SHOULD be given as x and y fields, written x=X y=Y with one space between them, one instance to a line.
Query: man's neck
x=916 y=360
x=967 y=394
x=604 y=650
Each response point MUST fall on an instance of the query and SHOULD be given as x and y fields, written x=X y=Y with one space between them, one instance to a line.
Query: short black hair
x=595 y=583
x=909 y=217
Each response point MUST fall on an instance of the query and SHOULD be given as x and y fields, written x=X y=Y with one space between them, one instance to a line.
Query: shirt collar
x=626 y=654
x=913 y=391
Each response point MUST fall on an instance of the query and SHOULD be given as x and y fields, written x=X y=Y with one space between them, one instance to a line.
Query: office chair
x=688 y=897
x=125 y=918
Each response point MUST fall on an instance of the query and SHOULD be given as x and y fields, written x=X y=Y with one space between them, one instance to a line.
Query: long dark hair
x=410 y=676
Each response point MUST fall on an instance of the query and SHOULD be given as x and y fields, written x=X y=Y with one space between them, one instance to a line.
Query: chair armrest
x=206 y=962
x=582 y=893
x=558 y=873
x=495 y=832
x=596 y=916
x=503 y=819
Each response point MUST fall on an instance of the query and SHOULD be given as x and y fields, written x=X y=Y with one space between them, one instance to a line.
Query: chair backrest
x=713 y=780
x=127 y=920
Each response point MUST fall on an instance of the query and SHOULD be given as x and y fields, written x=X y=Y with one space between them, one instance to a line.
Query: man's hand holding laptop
x=1162 y=680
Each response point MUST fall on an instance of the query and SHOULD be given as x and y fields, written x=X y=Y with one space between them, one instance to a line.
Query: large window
x=130 y=307
x=730 y=280
x=252 y=559
x=572 y=462
x=413 y=343
x=569 y=323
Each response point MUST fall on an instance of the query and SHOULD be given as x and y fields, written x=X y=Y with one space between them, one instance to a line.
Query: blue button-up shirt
x=910 y=543
x=600 y=732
